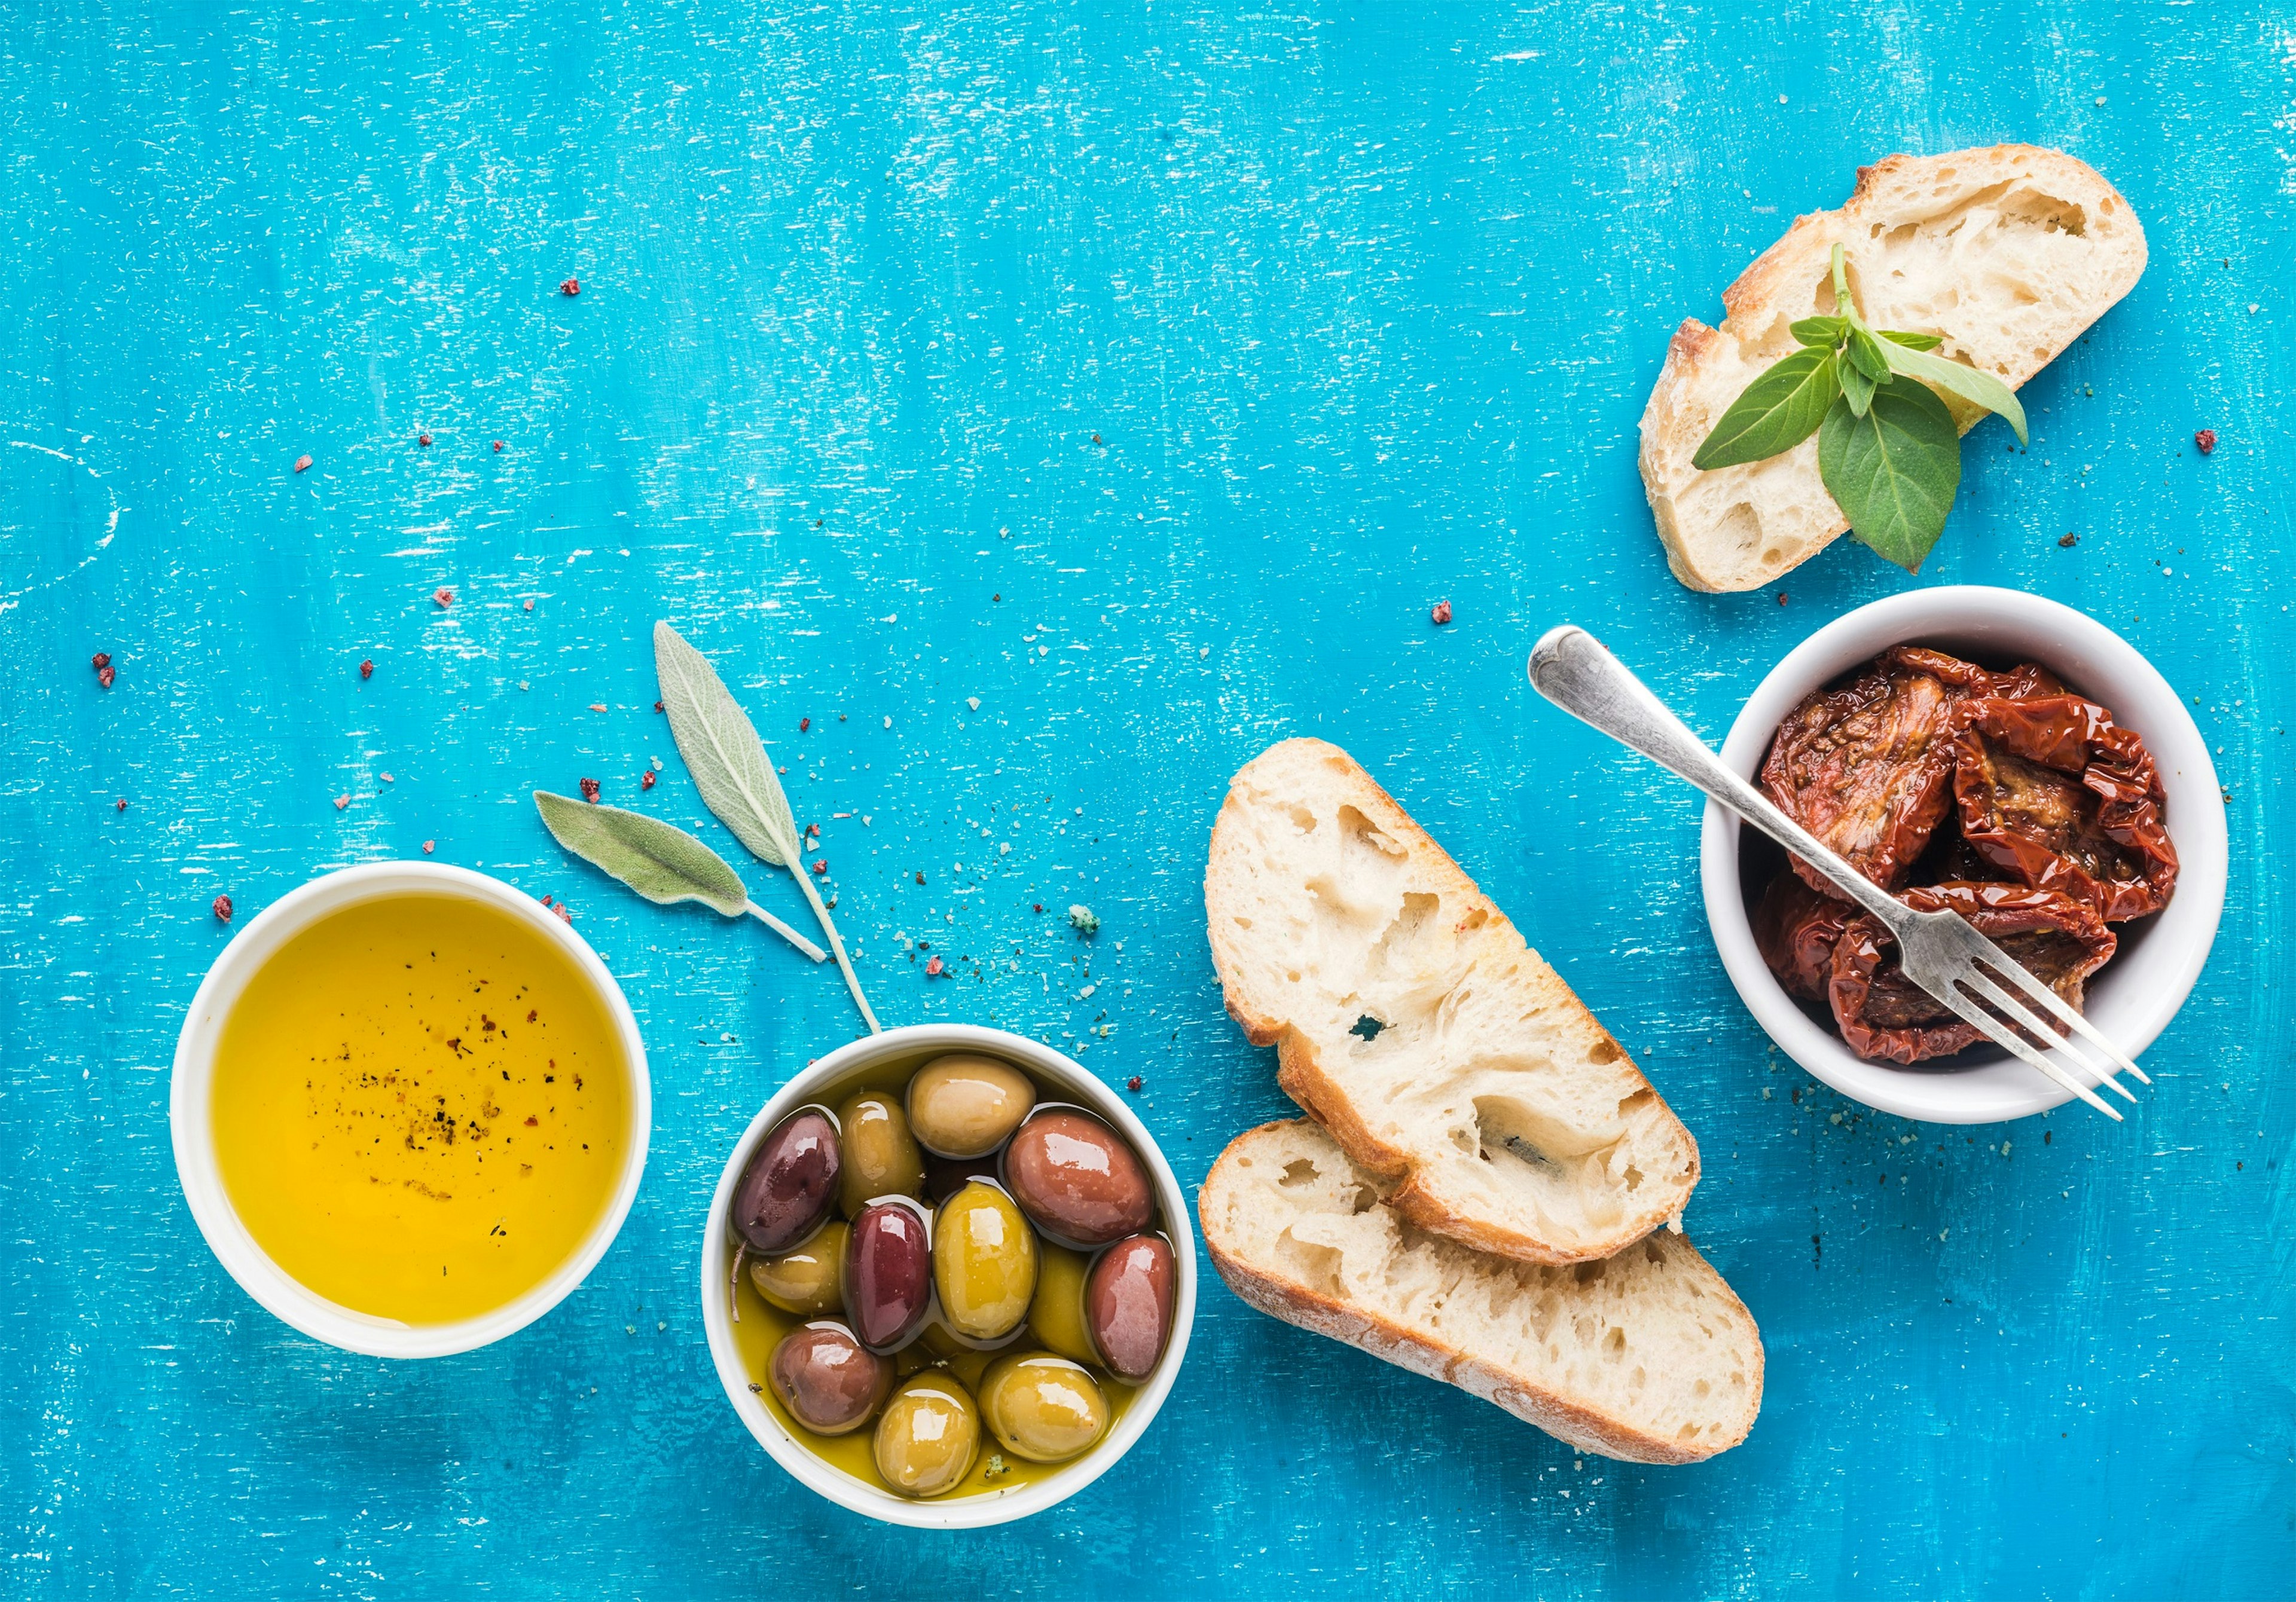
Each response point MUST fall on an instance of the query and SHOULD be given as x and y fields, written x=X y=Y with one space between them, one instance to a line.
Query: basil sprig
x=1888 y=450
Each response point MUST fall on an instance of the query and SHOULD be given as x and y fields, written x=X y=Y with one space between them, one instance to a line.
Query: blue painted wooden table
x=1144 y=373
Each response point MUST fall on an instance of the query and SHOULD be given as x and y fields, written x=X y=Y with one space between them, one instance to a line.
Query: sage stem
x=785 y=932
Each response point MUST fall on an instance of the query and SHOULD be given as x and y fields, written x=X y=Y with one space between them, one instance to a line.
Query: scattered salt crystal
x=889 y=723
x=972 y=702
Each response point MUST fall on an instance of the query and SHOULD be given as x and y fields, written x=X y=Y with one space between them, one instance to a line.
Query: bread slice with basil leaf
x=1411 y=1021
x=2002 y=257
x=1646 y=1356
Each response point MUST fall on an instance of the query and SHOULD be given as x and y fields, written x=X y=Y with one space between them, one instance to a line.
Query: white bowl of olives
x=948 y=1277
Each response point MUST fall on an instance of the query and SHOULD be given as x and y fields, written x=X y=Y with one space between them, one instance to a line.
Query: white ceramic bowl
x=915 y=1045
x=188 y=1110
x=2133 y=997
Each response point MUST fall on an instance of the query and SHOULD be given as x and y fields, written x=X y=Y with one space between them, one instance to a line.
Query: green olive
x=1043 y=1408
x=879 y=1156
x=984 y=1263
x=1056 y=1314
x=928 y=1435
x=963 y=1106
x=809 y=1281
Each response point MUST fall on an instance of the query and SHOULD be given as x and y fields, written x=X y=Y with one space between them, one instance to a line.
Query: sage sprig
x=735 y=777
x=659 y=861
x=1887 y=449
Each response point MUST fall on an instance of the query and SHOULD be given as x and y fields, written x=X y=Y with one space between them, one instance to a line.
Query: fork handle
x=1569 y=667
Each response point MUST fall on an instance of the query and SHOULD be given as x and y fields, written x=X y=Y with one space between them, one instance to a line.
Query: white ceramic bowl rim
x=1059 y=1074
x=2133 y=997
x=190 y=1123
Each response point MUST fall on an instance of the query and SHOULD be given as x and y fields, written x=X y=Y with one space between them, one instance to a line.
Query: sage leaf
x=1912 y=341
x=1822 y=332
x=1856 y=389
x=721 y=748
x=660 y=862
x=1979 y=388
x=1893 y=472
x=1778 y=410
x=735 y=777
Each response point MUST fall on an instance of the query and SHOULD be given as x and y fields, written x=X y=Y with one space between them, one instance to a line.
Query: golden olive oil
x=420 y=1108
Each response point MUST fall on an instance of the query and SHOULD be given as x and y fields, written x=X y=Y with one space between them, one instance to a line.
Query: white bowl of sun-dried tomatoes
x=1994 y=752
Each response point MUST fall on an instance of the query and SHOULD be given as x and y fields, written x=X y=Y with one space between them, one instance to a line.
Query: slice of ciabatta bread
x=1411 y=1021
x=2007 y=254
x=1646 y=1356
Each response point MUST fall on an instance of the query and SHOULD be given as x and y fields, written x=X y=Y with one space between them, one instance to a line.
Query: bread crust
x=1300 y=1074
x=1796 y=518
x=1524 y=1396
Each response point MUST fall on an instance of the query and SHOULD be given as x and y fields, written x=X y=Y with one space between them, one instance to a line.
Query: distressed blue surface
x=1362 y=303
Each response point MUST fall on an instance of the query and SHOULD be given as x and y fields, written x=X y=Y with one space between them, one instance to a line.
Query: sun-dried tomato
x=1868 y=767
x=2054 y=791
x=1797 y=930
x=1883 y=1014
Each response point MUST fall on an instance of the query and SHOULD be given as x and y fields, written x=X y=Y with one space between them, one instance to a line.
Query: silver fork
x=1941 y=951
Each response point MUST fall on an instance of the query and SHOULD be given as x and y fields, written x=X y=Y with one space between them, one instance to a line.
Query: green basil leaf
x=1856 y=389
x=1977 y=387
x=1912 y=341
x=1779 y=410
x=1865 y=352
x=1893 y=472
x=659 y=861
x=1822 y=332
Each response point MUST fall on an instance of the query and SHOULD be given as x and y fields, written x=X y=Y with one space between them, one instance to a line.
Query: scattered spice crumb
x=105 y=673
x=932 y=968
x=565 y=913
x=821 y=864
x=423 y=440
x=597 y=706
x=497 y=446
x=1132 y=1083
x=443 y=597
x=341 y=801
x=547 y=900
x=657 y=706
x=367 y=668
x=121 y=803
x=2206 y=439
x=302 y=463
x=920 y=876
x=1040 y=906
x=1441 y=613
x=1781 y=598
x=572 y=286
x=2069 y=541
x=222 y=909
x=1083 y=920
x=387 y=779
x=804 y=723
x=645 y=779
x=429 y=847
x=590 y=791
x=529 y=604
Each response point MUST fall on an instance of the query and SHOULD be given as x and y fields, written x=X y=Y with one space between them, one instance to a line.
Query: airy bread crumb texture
x=2007 y=254
x=1646 y=1355
x=1415 y=1023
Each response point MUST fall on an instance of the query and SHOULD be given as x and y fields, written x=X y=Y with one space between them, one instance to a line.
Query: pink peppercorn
x=2206 y=439
x=1441 y=613
x=222 y=909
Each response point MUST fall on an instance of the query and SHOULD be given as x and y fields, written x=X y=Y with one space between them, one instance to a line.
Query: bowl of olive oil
x=410 y=1109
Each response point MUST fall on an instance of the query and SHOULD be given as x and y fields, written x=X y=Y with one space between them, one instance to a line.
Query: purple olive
x=826 y=1381
x=1076 y=1180
x=792 y=1179
x=1127 y=1304
x=888 y=1275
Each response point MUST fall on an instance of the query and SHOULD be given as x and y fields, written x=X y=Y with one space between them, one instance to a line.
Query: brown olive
x=963 y=1106
x=1076 y=1180
x=879 y=1156
x=788 y=1183
x=929 y=1436
x=888 y=1275
x=984 y=1263
x=808 y=1281
x=1127 y=1304
x=826 y=1381
x=1042 y=1408
x=1056 y=1312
